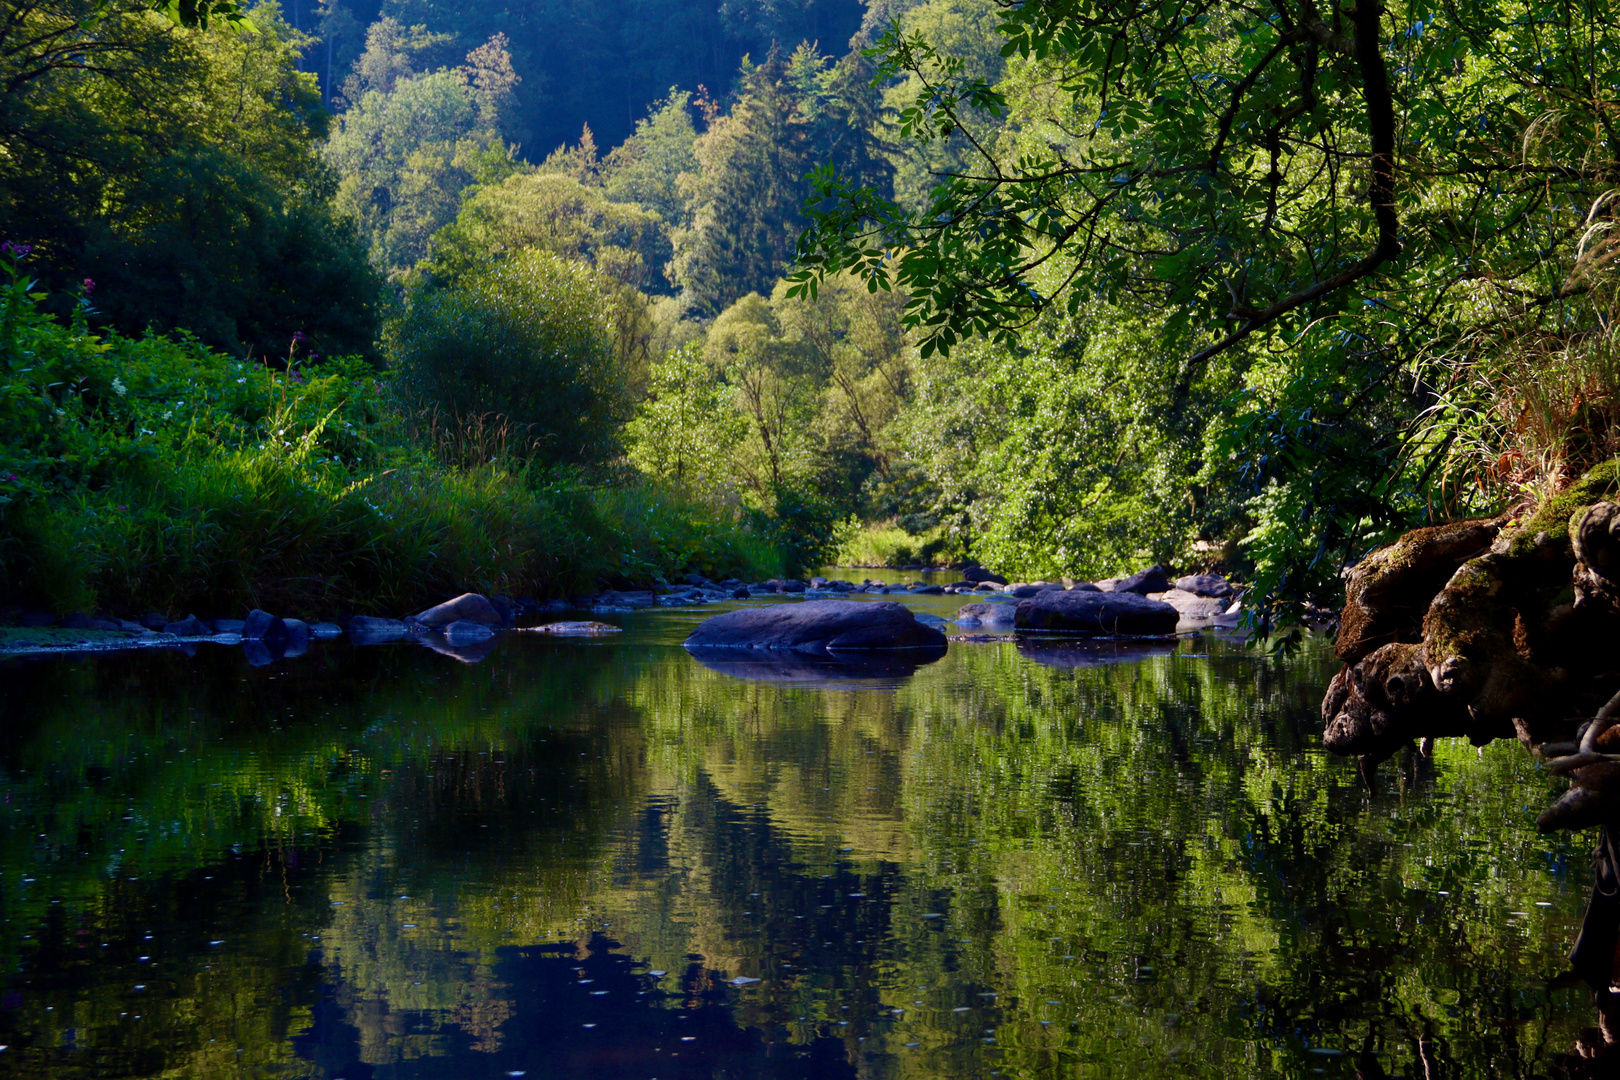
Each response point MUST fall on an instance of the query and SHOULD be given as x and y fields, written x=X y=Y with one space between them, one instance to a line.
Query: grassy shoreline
x=158 y=475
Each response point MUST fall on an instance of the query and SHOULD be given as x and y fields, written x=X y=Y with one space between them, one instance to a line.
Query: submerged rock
x=1088 y=613
x=817 y=626
x=467 y=632
x=190 y=626
x=1191 y=605
x=576 y=629
x=986 y=614
x=365 y=630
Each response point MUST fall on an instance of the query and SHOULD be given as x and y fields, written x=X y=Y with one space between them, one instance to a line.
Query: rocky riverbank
x=466 y=626
x=1493 y=628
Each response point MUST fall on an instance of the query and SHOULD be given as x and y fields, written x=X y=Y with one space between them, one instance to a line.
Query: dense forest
x=345 y=305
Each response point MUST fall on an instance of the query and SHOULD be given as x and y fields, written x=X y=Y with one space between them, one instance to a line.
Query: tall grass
x=159 y=476
x=892 y=546
x=256 y=527
x=1530 y=401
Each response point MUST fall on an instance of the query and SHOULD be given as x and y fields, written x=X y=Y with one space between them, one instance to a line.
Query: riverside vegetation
x=300 y=311
x=1061 y=307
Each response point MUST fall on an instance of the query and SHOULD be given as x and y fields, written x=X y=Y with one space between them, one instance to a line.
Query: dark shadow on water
x=597 y=1015
x=1080 y=654
x=784 y=665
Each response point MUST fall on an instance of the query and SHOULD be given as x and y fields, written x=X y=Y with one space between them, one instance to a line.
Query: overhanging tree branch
x=1367 y=17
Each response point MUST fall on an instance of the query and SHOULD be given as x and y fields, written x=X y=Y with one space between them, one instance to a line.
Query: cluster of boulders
x=818 y=626
x=1143 y=604
x=263 y=637
x=464 y=627
x=1147 y=602
x=1493 y=628
x=1126 y=608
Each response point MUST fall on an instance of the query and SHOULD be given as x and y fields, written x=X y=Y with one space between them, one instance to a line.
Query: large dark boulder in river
x=1073 y=612
x=190 y=626
x=365 y=630
x=1206 y=585
x=263 y=626
x=989 y=614
x=1025 y=589
x=469 y=607
x=817 y=626
x=1153 y=579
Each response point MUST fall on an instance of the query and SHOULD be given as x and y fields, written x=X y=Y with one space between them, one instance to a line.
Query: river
x=602 y=858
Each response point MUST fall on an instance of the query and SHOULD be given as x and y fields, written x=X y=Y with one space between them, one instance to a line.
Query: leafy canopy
x=1240 y=163
x=1352 y=203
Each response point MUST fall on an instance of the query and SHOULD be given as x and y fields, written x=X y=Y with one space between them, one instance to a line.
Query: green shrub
x=801 y=526
x=527 y=340
x=894 y=546
x=657 y=527
x=157 y=475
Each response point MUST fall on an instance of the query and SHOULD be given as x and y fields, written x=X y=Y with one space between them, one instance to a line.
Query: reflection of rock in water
x=467 y=654
x=1593 y=960
x=1072 y=654
x=786 y=665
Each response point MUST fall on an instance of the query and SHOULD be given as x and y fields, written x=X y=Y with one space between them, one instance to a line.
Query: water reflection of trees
x=1153 y=857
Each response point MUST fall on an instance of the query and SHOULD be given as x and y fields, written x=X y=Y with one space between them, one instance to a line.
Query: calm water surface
x=606 y=859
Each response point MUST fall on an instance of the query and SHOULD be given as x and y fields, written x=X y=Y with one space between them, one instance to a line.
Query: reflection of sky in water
x=1031 y=859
